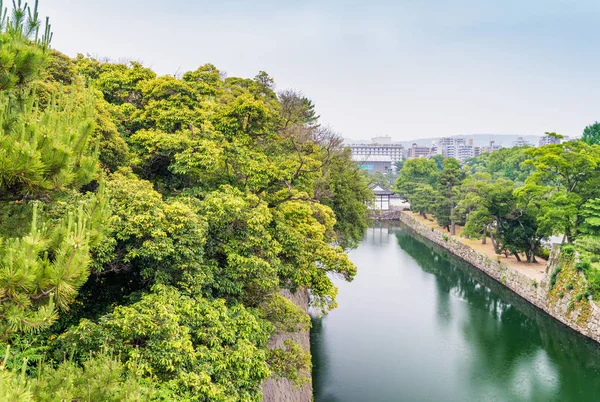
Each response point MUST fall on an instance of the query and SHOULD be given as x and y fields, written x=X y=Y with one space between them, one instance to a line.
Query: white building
x=548 y=139
x=465 y=152
x=378 y=147
x=520 y=142
x=448 y=147
x=375 y=163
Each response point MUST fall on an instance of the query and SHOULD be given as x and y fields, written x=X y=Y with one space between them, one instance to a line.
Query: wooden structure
x=382 y=197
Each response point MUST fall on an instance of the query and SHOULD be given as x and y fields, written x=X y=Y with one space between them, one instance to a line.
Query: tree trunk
x=483 y=241
x=494 y=243
x=453 y=224
x=517 y=256
x=531 y=254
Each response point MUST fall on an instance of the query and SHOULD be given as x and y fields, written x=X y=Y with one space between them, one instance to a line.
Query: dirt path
x=534 y=271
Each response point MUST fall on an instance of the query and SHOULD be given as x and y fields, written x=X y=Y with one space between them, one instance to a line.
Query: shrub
x=583 y=265
x=553 y=277
x=570 y=286
x=542 y=253
x=561 y=295
x=567 y=250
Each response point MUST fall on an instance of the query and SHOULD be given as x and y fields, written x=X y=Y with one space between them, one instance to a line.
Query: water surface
x=418 y=324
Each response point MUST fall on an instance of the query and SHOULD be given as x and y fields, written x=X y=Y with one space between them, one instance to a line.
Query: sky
x=407 y=68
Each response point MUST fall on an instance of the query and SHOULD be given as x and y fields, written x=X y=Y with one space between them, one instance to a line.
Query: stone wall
x=389 y=215
x=282 y=389
x=563 y=301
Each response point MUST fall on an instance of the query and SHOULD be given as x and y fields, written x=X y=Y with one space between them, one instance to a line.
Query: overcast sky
x=407 y=68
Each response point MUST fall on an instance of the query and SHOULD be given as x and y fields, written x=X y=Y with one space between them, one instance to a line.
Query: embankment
x=282 y=389
x=562 y=299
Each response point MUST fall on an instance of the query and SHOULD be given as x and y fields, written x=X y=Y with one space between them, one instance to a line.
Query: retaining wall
x=282 y=389
x=562 y=301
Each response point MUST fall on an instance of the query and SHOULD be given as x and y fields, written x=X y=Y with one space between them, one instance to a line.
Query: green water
x=418 y=324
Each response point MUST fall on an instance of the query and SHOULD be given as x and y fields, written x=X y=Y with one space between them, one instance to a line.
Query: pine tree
x=44 y=159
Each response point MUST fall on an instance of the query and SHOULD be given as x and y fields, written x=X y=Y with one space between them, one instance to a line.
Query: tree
x=449 y=178
x=591 y=134
x=414 y=172
x=569 y=174
x=44 y=157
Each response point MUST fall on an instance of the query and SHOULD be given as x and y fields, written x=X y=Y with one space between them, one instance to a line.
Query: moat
x=418 y=324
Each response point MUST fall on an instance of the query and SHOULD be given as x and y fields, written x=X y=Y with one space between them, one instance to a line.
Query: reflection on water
x=418 y=324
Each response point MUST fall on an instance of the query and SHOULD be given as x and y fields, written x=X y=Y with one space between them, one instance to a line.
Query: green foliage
x=543 y=253
x=567 y=250
x=591 y=134
x=291 y=362
x=285 y=315
x=507 y=163
x=345 y=190
x=583 y=265
x=45 y=156
x=568 y=176
x=101 y=378
x=554 y=276
x=148 y=225
x=198 y=348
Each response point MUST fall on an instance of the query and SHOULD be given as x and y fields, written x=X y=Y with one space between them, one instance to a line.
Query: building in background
x=418 y=152
x=549 y=139
x=521 y=142
x=449 y=147
x=378 y=148
x=382 y=197
x=493 y=147
x=464 y=152
x=375 y=163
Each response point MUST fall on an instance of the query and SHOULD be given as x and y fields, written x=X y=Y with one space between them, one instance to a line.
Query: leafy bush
x=543 y=253
x=583 y=265
x=194 y=346
x=554 y=276
x=567 y=250
x=102 y=378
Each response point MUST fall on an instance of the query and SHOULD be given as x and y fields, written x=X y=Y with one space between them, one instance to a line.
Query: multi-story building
x=464 y=152
x=549 y=139
x=378 y=147
x=492 y=147
x=520 y=142
x=418 y=152
x=374 y=163
x=448 y=147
